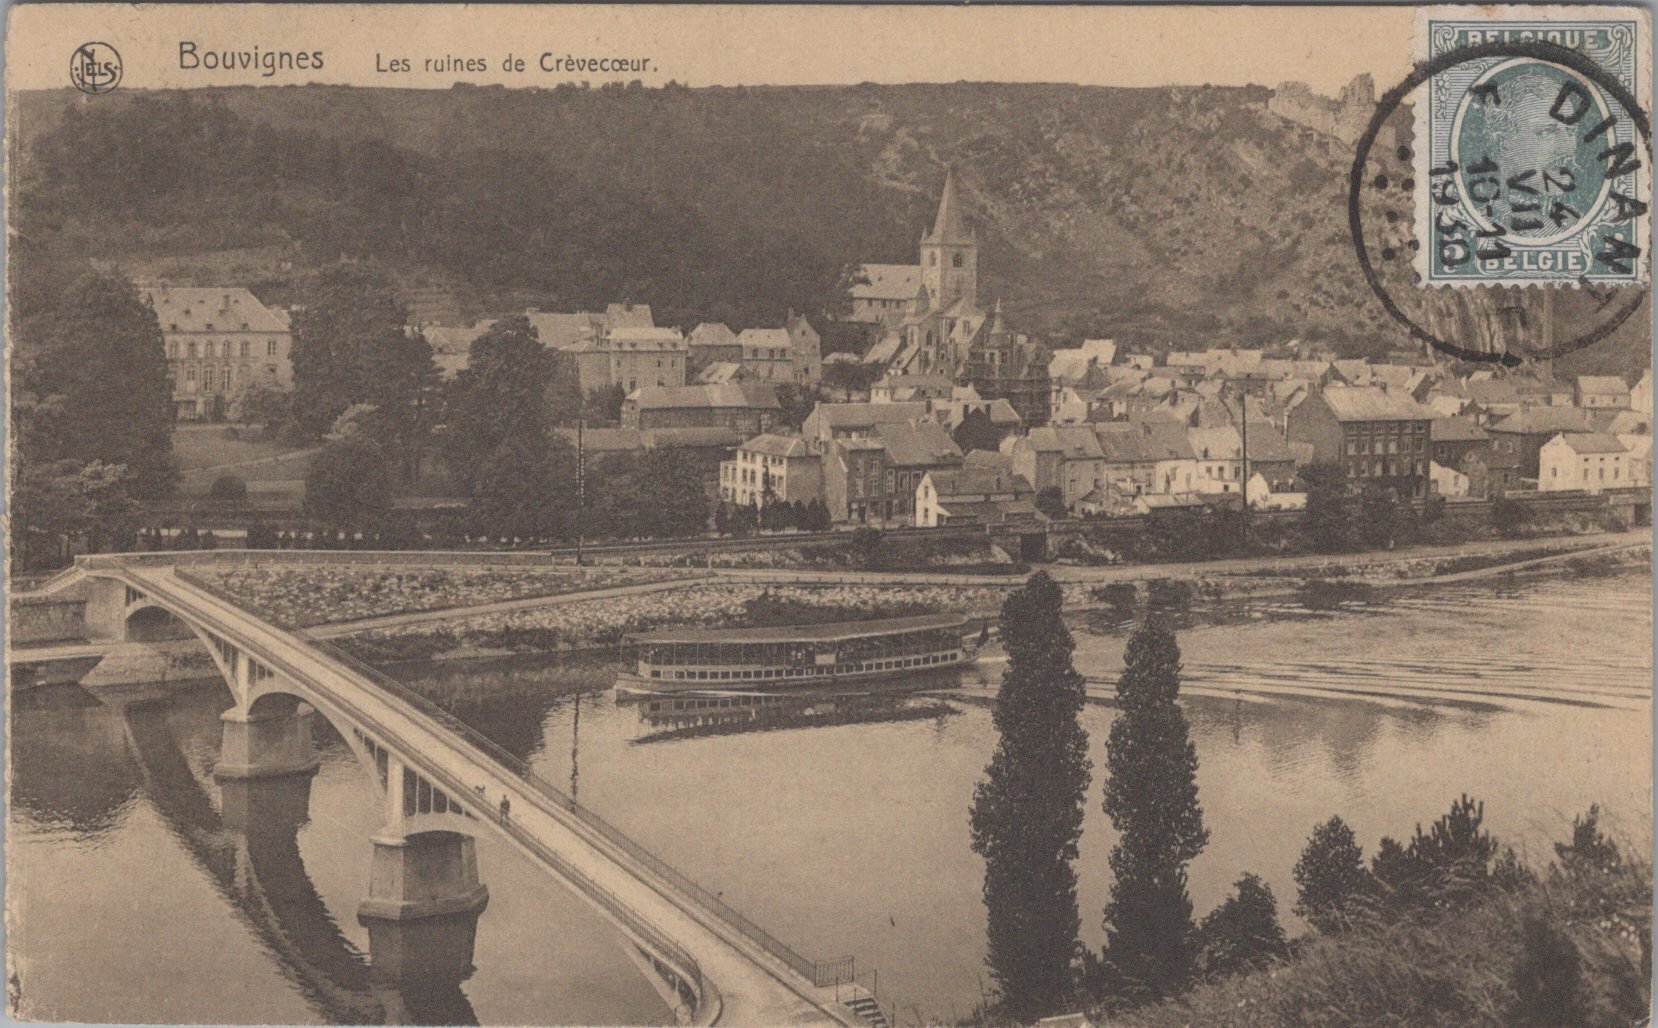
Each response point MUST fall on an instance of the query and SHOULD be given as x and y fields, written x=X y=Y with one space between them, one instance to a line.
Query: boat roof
x=805 y=633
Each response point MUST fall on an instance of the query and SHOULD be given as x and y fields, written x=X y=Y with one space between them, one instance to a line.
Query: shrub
x=228 y=489
x=1509 y=517
x=1243 y=932
x=1330 y=877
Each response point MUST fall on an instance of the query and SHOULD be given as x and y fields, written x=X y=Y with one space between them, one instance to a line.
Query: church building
x=940 y=312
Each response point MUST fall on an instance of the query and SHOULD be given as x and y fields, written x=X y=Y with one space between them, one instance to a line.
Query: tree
x=90 y=381
x=1446 y=865
x=502 y=393
x=795 y=403
x=259 y=401
x=1026 y=816
x=351 y=346
x=1326 y=521
x=1242 y=933
x=1589 y=850
x=655 y=494
x=1151 y=797
x=525 y=489
x=1379 y=518
x=58 y=505
x=604 y=405
x=850 y=377
x=1051 y=501
x=1330 y=877
x=348 y=485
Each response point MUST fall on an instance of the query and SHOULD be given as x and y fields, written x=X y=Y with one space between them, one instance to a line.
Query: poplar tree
x=1027 y=812
x=1151 y=797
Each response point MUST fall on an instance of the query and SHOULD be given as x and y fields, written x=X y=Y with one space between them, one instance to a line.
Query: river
x=134 y=900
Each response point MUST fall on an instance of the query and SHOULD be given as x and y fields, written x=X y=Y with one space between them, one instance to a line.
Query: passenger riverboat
x=765 y=659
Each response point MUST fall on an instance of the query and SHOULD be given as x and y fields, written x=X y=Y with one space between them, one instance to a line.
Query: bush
x=1509 y=517
x=293 y=434
x=1243 y=932
x=228 y=489
x=1330 y=877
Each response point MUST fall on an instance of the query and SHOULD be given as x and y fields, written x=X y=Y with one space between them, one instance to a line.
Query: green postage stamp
x=1532 y=160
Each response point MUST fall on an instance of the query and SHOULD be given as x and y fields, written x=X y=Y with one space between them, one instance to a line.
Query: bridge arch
x=673 y=923
x=146 y=622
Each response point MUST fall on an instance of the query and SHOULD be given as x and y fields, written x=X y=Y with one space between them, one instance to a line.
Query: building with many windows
x=1381 y=438
x=1590 y=461
x=217 y=339
x=772 y=468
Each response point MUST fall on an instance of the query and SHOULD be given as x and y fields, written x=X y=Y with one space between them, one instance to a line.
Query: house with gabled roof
x=217 y=339
x=1605 y=391
x=1586 y=461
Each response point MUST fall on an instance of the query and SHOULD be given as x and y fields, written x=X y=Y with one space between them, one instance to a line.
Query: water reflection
x=701 y=715
x=838 y=824
x=106 y=794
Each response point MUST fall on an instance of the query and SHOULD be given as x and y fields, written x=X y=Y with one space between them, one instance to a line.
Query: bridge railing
x=820 y=973
x=635 y=921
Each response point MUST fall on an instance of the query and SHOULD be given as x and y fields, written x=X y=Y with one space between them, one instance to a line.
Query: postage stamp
x=1532 y=160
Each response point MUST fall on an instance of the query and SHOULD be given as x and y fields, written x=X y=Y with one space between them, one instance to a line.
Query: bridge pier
x=422 y=911
x=271 y=740
x=265 y=806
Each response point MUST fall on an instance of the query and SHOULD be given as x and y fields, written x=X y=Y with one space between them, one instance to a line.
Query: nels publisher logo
x=95 y=68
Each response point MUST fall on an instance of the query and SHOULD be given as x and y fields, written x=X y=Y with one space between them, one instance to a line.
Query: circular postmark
x=1536 y=128
x=95 y=68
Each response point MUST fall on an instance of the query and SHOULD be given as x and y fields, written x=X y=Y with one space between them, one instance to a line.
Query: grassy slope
x=1453 y=971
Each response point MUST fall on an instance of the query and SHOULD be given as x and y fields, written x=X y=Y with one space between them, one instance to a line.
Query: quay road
x=1112 y=573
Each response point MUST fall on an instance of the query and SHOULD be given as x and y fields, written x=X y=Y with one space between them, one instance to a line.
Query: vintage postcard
x=889 y=515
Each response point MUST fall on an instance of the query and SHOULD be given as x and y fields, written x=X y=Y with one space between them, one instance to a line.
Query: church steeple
x=949 y=226
x=950 y=253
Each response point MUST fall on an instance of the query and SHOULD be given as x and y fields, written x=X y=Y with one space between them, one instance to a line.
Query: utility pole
x=581 y=484
x=1243 y=421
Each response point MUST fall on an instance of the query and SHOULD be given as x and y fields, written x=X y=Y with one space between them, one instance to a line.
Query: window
x=957 y=260
x=172 y=349
x=245 y=345
x=192 y=349
x=270 y=347
x=932 y=259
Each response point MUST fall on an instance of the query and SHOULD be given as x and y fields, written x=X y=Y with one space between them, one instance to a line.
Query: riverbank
x=574 y=623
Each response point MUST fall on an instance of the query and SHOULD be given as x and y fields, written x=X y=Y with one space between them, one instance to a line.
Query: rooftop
x=889 y=282
x=1592 y=442
x=1456 y=430
x=756 y=395
x=1358 y=403
x=212 y=309
x=832 y=632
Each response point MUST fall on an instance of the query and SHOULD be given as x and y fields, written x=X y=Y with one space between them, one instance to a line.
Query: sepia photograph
x=1113 y=516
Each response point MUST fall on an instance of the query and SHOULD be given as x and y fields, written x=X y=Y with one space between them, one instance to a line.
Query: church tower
x=950 y=253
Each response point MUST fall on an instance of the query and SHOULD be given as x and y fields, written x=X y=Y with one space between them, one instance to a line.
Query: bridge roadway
x=741 y=981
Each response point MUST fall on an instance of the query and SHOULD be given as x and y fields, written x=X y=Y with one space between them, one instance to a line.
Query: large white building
x=217 y=340
x=775 y=467
x=1590 y=461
